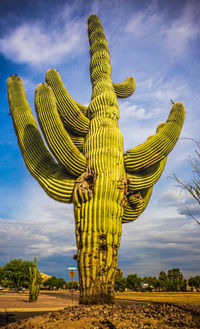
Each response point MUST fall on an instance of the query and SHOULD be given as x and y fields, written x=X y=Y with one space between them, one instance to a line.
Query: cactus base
x=97 y=299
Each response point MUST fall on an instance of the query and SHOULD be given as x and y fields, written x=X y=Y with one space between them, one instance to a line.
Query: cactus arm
x=81 y=107
x=55 y=134
x=146 y=178
x=51 y=176
x=126 y=88
x=159 y=145
x=68 y=109
x=136 y=204
x=78 y=141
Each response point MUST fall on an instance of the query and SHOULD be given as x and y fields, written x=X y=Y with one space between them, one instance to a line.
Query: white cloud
x=130 y=111
x=182 y=30
x=144 y=22
x=174 y=34
x=158 y=241
x=35 y=44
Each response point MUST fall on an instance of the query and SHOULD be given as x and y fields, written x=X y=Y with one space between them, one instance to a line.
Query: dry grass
x=161 y=297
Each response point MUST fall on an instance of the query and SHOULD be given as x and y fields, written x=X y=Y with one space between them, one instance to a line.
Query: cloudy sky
x=157 y=42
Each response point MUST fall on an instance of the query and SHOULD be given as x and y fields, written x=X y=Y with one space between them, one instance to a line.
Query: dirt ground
x=42 y=314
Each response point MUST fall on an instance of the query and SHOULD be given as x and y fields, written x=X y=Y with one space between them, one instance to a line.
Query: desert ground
x=132 y=310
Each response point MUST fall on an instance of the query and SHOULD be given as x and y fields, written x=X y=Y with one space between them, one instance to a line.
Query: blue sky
x=157 y=42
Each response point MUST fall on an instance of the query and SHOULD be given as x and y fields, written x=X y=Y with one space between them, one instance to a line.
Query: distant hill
x=45 y=276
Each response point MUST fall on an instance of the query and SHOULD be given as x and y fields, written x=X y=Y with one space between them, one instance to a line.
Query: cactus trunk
x=99 y=193
x=98 y=199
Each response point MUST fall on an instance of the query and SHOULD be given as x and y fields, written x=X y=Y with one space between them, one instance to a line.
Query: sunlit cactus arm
x=137 y=202
x=83 y=108
x=146 y=178
x=78 y=141
x=69 y=111
x=55 y=134
x=126 y=88
x=159 y=145
x=149 y=176
x=51 y=176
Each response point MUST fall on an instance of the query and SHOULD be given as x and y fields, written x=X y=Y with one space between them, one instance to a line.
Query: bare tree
x=193 y=185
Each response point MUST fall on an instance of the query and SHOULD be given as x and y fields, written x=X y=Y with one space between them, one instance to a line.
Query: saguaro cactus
x=108 y=188
x=34 y=284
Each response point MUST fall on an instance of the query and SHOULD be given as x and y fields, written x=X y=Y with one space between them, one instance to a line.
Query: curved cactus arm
x=55 y=134
x=146 y=178
x=136 y=204
x=51 y=176
x=83 y=108
x=78 y=141
x=158 y=146
x=68 y=109
x=126 y=88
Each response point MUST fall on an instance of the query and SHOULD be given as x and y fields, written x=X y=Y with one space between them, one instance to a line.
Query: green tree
x=120 y=281
x=133 y=282
x=1 y=275
x=163 y=281
x=60 y=283
x=50 y=283
x=17 y=272
x=108 y=188
x=75 y=285
x=54 y=283
x=195 y=281
x=176 y=279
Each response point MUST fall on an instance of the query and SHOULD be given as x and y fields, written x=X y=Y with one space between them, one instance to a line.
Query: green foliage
x=35 y=280
x=54 y=283
x=120 y=281
x=16 y=273
x=75 y=285
x=151 y=281
x=195 y=281
x=173 y=280
x=134 y=282
x=1 y=274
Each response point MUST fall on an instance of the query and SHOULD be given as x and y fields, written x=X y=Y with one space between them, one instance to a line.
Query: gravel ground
x=148 y=315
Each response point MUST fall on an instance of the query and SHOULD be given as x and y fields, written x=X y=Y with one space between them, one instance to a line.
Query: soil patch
x=140 y=315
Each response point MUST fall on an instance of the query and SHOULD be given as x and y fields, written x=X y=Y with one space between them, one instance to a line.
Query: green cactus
x=34 y=283
x=107 y=187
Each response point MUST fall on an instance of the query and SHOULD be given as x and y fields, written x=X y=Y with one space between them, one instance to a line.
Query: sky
x=157 y=42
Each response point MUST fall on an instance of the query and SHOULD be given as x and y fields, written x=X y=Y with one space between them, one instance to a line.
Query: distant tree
x=60 y=283
x=195 y=281
x=120 y=281
x=133 y=282
x=176 y=279
x=192 y=186
x=163 y=281
x=54 y=283
x=151 y=281
x=75 y=285
x=50 y=283
x=175 y=274
x=1 y=275
x=16 y=272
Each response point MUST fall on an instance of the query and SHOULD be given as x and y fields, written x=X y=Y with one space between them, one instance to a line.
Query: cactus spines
x=34 y=284
x=107 y=187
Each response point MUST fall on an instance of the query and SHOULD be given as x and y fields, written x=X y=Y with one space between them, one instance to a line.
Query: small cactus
x=34 y=283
